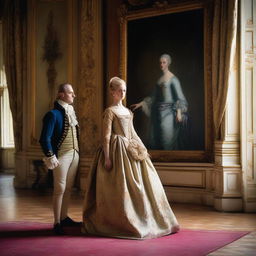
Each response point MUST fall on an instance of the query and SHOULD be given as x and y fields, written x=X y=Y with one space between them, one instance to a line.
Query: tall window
x=6 y=126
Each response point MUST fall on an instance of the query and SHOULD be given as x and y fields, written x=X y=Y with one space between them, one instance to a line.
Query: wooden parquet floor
x=34 y=205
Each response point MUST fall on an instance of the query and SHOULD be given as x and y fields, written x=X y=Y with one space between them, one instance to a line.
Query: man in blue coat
x=59 y=142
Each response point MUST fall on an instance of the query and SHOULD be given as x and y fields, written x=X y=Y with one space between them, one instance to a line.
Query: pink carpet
x=29 y=238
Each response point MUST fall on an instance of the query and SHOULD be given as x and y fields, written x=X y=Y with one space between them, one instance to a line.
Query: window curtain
x=223 y=52
x=14 y=46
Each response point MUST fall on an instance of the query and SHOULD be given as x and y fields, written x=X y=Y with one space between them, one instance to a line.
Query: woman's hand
x=179 y=116
x=135 y=106
x=108 y=164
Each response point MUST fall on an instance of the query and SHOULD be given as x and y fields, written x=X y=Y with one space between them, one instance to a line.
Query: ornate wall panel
x=232 y=186
x=90 y=84
x=52 y=48
x=52 y=57
x=186 y=178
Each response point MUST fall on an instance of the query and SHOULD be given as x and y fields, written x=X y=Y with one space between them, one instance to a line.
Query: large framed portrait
x=165 y=55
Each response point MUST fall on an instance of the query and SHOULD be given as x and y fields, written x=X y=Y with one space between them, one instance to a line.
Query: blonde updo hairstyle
x=115 y=83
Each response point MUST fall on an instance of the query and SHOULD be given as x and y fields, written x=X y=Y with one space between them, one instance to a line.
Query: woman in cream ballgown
x=124 y=195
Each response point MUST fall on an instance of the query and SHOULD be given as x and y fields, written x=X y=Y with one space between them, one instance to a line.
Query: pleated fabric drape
x=14 y=22
x=223 y=52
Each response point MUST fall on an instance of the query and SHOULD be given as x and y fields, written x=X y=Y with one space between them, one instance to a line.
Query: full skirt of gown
x=127 y=201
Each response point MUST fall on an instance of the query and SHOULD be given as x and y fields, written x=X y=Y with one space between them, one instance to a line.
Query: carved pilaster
x=89 y=91
x=90 y=85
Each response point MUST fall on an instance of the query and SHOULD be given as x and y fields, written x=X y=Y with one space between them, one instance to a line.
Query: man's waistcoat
x=70 y=142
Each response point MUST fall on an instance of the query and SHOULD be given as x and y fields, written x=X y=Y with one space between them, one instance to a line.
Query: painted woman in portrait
x=167 y=109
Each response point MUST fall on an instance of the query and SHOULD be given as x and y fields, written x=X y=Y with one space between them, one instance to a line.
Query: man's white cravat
x=70 y=112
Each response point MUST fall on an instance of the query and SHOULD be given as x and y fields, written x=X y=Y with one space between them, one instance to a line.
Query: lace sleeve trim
x=108 y=114
x=107 y=126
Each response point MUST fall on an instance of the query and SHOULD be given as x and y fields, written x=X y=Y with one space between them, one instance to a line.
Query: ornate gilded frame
x=168 y=7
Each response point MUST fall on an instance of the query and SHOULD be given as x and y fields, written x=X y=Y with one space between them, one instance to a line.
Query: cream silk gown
x=127 y=201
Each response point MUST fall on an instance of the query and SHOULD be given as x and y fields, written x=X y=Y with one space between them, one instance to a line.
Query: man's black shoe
x=68 y=222
x=58 y=229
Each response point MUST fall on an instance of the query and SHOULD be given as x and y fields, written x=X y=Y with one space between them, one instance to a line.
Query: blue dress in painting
x=165 y=132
